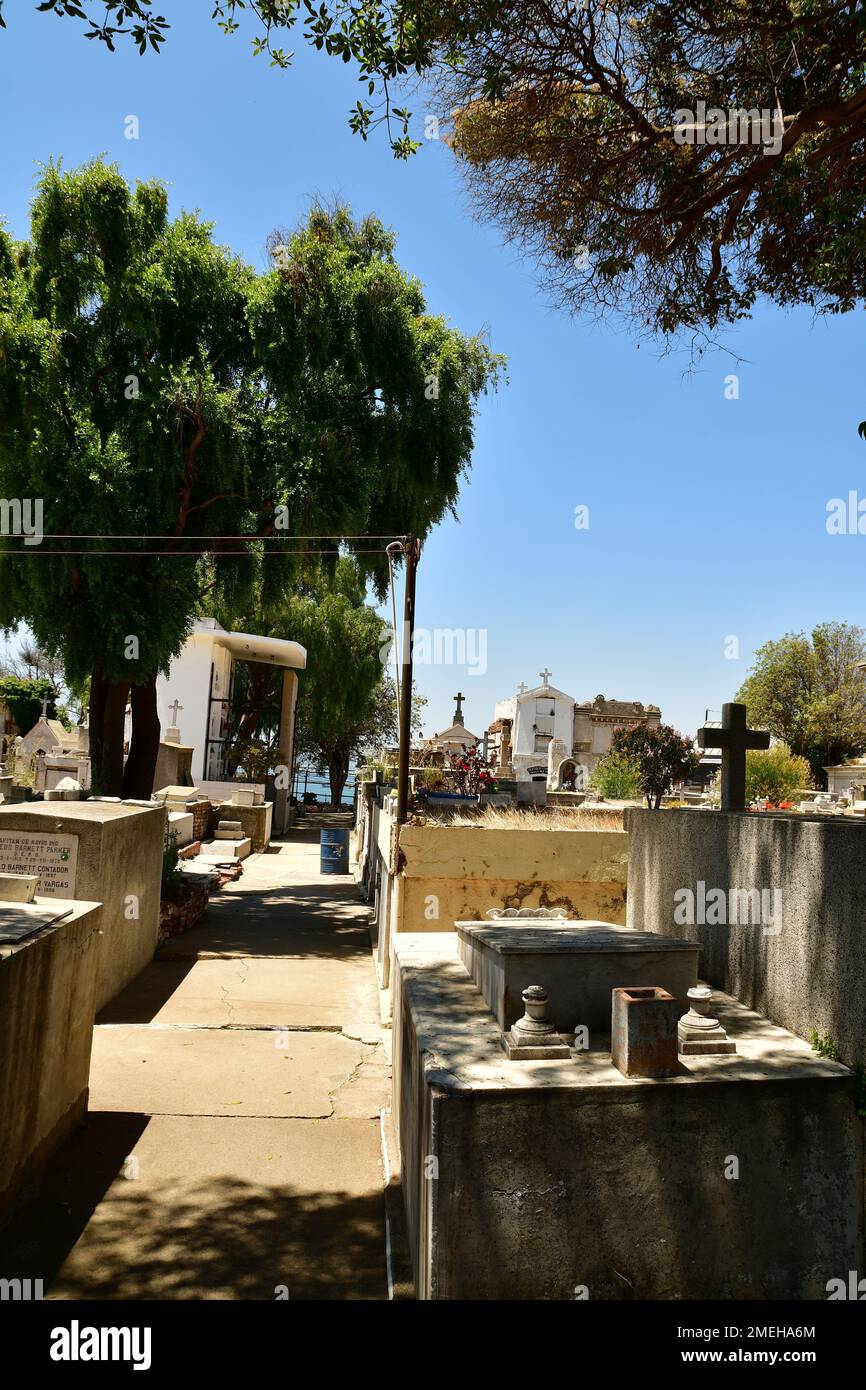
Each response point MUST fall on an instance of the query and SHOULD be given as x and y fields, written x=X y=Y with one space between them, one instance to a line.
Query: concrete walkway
x=233 y=1147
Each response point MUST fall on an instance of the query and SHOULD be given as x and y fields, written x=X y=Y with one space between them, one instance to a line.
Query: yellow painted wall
x=456 y=873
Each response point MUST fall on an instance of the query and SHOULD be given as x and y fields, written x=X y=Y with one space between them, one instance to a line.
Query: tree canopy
x=607 y=136
x=193 y=429
x=808 y=690
x=661 y=756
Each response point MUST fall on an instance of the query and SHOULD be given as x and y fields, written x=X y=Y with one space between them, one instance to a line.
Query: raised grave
x=578 y=963
x=49 y=956
x=587 y=1183
x=99 y=851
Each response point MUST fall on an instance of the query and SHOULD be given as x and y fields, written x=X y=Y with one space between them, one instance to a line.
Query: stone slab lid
x=178 y=794
x=21 y=920
x=511 y=935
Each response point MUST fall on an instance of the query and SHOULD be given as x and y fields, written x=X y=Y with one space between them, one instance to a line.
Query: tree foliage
x=568 y=115
x=808 y=690
x=187 y=423
x=616 y=777
x=24 y=697
x=775 y=773
x=662 y=756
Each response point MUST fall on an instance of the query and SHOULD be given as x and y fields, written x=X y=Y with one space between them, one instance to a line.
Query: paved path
x=238 y=1082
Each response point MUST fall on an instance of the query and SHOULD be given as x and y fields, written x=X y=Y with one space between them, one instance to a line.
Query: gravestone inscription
x=54 y=858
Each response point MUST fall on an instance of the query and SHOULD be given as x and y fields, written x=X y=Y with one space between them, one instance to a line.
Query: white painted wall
x=535 y=705
x=189 y=681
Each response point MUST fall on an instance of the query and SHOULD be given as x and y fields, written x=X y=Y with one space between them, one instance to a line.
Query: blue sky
x=706 y=515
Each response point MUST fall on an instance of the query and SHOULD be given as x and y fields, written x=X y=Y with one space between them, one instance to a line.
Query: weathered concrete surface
x=219 y=1209
x=255 y=820
x=119 y=859
x=253 y=1146
x=811 y=973
x=213 y=1071
x=579 y=964
x=559 y=1176
x=47 y=991
x=472 y=868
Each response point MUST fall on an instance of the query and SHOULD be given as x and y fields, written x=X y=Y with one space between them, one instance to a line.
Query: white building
x=546 y=736
x=533 y=718
x=195 y=697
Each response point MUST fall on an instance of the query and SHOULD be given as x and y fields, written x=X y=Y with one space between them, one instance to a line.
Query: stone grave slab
x=227 y=849
x=578 y=963
x=52 y=857
x=21 y=920
x=183 y=824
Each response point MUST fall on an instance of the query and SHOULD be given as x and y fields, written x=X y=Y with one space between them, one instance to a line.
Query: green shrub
x=616 y=777
x=775 y=773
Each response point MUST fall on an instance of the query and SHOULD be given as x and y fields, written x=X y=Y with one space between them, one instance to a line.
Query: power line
x=169 y=554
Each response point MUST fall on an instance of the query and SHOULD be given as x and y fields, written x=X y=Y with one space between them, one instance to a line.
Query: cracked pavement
x=238 y=1083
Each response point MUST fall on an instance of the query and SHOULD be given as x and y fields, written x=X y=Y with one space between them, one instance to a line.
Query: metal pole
x=412 y=551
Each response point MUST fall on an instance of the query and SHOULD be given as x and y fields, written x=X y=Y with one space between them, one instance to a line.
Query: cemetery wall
x=465 y=870
x=47 y=994
x=808 y=970
x=446 y=874
x=114 y=857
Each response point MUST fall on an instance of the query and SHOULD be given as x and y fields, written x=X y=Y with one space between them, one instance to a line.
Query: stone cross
x=521 y=689
x=458 y=713
x=44 y=706
x=734 y=739
x=173 y=711
x=545 y=675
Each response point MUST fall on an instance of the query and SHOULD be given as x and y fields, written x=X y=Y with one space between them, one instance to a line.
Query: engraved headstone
x=52 y=858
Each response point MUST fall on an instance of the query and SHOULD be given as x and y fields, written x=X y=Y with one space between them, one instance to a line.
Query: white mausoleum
x=546 y=736
x=194 y=699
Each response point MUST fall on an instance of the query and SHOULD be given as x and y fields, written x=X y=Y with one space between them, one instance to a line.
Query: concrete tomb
x=529 y=1175
x=49 y=954
x=578 y=963
x=99 y=851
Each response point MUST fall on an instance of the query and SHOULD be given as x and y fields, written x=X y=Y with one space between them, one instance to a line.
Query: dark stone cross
x=458 y=713
x=734 y=739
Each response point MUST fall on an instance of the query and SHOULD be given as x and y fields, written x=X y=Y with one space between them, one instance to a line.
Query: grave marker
x=733 y=738
x=53 y=858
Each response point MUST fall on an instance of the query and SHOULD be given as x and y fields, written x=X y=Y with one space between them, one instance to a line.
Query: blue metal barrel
x=334 y=851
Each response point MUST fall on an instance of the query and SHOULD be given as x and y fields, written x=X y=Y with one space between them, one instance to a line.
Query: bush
x=616 y=777
x=775 y=773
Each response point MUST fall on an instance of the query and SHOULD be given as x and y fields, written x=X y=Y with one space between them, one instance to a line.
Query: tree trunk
x=107 y=715
x=338 y=771
x=96 y=715
x=144 y=746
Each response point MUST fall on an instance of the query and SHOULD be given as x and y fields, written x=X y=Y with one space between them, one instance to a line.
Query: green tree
x=24 y=698
x=572 y=119
x=775 y=773
x=155 y=389
x=809 y=691
x=663 y=757
x=340 y=689
x=616 y=777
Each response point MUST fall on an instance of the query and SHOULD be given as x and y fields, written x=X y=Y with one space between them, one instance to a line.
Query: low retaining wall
x=805 y=971
x=436 y=875
x=47 y=1003
x=469 y=869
